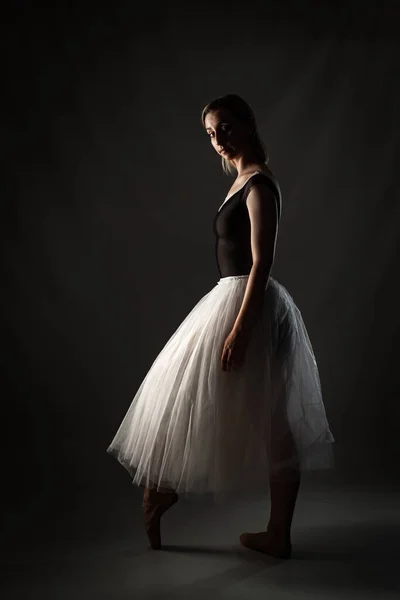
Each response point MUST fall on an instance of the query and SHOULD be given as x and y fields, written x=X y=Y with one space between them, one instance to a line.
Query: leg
x=155 y=504
x=284 y=487
x=285 y=480
x=283 y=500
x=162 y=490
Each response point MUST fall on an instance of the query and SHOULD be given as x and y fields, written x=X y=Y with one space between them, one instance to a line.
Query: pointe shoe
x=265 y=542
x=155 y=504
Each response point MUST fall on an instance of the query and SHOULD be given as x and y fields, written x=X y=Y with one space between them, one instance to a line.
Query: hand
x=234 y=351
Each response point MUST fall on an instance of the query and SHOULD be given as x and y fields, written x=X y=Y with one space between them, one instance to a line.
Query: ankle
x=279 y=532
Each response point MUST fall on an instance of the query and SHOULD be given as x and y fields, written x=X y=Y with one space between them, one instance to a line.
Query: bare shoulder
x=263 y=190
x=264 y=199
x=267 y=171
x=270 y=174
x=259 y=193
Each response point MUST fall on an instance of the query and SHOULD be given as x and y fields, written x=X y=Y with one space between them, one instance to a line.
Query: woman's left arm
x=263 y=215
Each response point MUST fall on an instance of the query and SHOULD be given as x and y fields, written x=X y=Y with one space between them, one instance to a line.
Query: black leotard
x=232 y=228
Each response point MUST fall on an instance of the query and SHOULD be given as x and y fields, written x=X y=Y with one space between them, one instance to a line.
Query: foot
x=267 y=542
x=155 y=504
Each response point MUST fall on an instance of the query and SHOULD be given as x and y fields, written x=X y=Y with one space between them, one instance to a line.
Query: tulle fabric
x=193 y=427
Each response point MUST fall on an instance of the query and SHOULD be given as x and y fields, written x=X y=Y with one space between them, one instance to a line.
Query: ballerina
x=233 y=401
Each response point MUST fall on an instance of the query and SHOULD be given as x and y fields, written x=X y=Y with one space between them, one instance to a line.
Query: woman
x=233 y=400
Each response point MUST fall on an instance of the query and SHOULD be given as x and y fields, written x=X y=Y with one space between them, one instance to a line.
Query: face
x=229 y=136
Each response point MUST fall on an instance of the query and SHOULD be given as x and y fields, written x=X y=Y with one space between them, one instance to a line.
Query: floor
x=345 y=541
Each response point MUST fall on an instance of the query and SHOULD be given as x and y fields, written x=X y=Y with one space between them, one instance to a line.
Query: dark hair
x=242 y=111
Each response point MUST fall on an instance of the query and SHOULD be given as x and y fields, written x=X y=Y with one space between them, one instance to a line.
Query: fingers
x=225 y=359
x=228 y=363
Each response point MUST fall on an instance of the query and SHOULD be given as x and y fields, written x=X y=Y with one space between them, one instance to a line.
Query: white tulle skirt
x=193 y=427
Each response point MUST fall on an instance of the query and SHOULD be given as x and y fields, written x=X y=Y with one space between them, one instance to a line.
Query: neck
x=246 y=163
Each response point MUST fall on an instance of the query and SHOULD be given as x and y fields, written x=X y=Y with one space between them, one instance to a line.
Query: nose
x=219 y=140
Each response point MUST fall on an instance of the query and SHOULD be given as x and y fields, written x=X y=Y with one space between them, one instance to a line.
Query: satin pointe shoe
x=155 y=504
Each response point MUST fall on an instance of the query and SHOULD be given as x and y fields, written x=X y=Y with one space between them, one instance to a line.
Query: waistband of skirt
x=232 y=278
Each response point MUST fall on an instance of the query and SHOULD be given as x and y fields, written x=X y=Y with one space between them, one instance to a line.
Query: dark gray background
x=110 y=190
